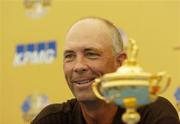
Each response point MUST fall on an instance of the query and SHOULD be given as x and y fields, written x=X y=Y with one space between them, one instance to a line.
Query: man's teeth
x=83 y=81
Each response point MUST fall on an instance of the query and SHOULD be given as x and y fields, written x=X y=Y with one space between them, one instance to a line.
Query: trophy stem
x=131 y=116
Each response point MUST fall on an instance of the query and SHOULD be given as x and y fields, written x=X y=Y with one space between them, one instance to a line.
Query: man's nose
x=80 y=66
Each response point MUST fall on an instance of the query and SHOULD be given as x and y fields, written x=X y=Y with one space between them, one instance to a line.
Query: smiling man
x=93 y=47
x=88 y=54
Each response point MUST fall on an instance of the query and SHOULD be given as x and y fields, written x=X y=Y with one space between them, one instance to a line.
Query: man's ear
x=121 y=57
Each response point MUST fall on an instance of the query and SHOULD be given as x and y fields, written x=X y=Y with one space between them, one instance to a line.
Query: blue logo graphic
x=35 y=53
x=32 y=105
x=177 y=94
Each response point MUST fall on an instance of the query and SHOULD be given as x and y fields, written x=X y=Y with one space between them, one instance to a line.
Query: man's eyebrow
x=68 y=51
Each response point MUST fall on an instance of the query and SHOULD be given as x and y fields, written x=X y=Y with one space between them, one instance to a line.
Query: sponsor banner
x=35 y=53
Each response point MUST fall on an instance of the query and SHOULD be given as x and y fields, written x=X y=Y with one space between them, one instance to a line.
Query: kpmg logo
x=35 y=53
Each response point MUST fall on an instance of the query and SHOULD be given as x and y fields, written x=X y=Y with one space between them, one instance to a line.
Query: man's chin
x=86 y=98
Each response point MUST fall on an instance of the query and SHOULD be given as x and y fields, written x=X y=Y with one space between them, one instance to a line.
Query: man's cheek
x=67 y=71
x=99 y=71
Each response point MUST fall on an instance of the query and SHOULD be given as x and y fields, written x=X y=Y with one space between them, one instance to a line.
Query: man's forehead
x=73 y=45
x=83 y=49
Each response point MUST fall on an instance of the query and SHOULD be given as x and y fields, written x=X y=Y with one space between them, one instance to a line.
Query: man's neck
x=98 y=112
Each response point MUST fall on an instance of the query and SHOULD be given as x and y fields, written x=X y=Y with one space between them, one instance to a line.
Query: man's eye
x=69 y=57
x=92 y=55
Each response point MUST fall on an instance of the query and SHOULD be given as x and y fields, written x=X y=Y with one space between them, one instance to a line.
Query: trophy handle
x=95 y=86
x=156 y=79
x=167 y=83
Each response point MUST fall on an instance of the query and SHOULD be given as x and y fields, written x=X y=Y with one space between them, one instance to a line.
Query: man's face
x=88 y=54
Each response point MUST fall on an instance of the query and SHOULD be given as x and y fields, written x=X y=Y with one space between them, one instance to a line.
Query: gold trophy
x=130 y=86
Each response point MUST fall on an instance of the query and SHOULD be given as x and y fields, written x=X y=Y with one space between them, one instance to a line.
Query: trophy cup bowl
x=130 y=86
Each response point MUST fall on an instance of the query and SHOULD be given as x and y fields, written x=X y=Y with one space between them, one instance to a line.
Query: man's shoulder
x=59 y=108
x=159 y=103
x=64 y=107
x=162 y=104
x=160 y=110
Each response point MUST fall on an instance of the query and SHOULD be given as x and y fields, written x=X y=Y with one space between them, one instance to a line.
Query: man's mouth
x=83 y=81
